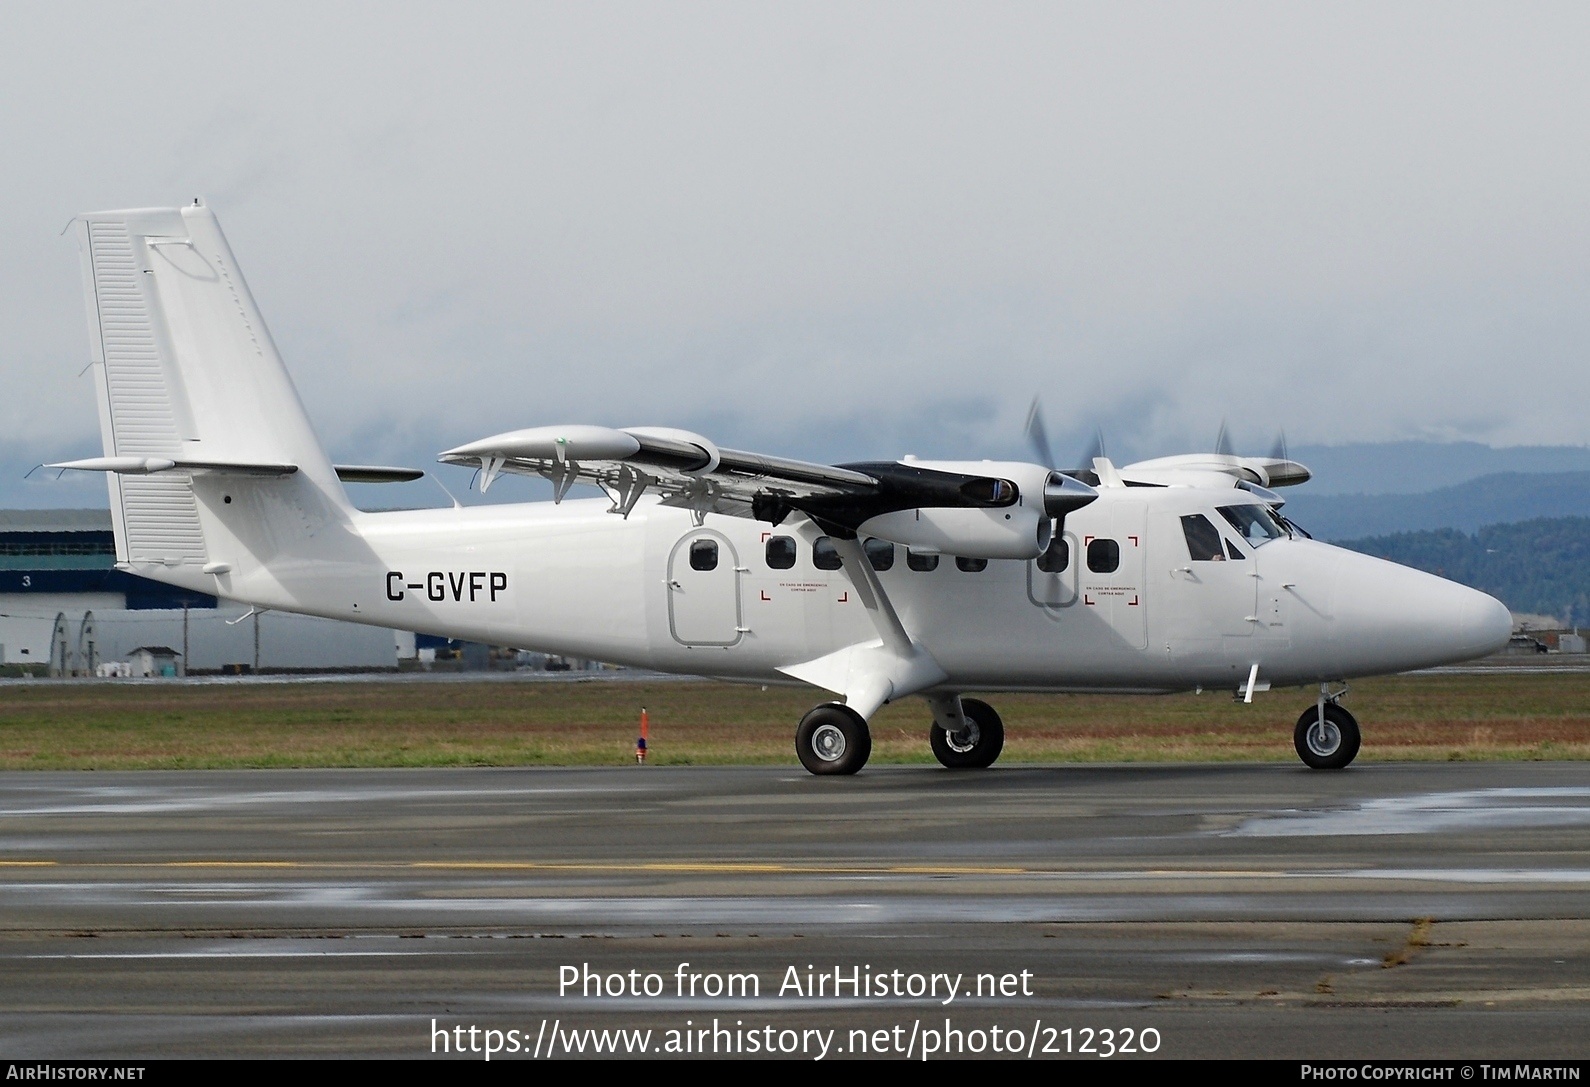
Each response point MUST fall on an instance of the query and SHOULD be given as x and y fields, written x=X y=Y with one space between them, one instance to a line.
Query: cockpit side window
x=1203 y=538
x=1231 y=549
x=1255 y=524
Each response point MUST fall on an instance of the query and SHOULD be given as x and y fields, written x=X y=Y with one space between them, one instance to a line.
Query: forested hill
x=1540 y=566
x=1488 y=500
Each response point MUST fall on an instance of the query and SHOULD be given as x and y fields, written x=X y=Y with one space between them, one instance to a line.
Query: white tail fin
x=187 y=374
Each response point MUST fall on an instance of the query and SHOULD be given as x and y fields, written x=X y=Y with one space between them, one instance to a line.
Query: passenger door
x=704 y=590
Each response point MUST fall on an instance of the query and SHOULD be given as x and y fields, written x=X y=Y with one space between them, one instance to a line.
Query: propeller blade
x=1095 y=451
x=1038 y=435
x=1278 y=450
x=1223 y=441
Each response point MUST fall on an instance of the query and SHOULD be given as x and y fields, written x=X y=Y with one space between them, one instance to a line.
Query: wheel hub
x=964 y=740
x=1324 y=738
x=828 y=743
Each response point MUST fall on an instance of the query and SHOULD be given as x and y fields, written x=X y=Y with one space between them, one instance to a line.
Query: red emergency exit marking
x=845 y=597
x=1133 y=539
x=765 y=536
x=765 y=596
x=1088 y=600
x=1132 y=603
x=1087 y=540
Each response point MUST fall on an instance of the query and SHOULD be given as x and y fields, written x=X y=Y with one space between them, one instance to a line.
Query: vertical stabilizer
x=188 y=374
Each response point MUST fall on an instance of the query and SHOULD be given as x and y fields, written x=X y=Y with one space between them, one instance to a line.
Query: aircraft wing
x=690 y=471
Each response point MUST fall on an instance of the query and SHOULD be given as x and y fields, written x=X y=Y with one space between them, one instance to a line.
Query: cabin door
x=704 y=590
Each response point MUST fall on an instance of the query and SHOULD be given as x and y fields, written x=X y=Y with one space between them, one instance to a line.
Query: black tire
x=1331 y=748
x=975 y=748
x=833 y=739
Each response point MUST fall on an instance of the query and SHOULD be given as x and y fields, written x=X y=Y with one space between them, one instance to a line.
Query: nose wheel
x=1326 y=737
x=833 y=739
x=975 y=746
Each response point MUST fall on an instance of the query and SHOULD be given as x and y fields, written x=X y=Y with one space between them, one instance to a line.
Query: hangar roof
x=55 y=521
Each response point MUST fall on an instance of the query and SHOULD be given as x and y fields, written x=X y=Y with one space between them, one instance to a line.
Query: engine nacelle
x=1010 y=532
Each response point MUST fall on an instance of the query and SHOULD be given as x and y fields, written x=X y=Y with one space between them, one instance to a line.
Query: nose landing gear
x=1326 y=736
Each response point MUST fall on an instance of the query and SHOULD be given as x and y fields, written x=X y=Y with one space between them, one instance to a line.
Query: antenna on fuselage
x=457 y=505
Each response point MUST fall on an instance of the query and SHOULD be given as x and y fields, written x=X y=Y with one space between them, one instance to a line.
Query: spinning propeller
x=1063 y=491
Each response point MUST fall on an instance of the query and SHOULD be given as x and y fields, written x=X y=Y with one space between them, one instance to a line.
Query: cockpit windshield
x=1257 y=524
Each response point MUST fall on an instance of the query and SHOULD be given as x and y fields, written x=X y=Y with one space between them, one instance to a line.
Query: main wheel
x=1326 y=745
x=975 y=746
x=833 y=739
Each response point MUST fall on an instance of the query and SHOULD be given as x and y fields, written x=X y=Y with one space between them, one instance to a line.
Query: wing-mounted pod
x=1281 y=472
x=978 y=509
x=1019 y=530
x=556 y=452
x=1194 y=469
x=1015 y=532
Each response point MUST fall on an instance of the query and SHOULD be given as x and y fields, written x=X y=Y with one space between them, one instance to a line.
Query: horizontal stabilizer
x=143 y=466
x=376 y=473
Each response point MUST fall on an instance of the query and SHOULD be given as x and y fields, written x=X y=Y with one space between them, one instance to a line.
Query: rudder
x=188 y=374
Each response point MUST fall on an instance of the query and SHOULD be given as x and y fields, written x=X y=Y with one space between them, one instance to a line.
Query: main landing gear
x=1326 y=736
x=834 y=739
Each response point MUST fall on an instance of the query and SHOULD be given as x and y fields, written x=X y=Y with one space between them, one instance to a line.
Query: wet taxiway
x=1437 y=910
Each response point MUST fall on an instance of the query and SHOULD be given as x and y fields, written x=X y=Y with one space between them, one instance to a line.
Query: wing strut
x=869 y=674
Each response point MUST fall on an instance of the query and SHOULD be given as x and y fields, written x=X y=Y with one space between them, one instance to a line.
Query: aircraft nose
x=1465 y=623
x=1398 y=619
x=1486 y=624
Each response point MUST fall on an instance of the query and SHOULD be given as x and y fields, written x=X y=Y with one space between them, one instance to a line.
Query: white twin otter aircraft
x=872 y=581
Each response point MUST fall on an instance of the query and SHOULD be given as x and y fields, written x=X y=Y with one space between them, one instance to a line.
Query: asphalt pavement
x=1387 y=911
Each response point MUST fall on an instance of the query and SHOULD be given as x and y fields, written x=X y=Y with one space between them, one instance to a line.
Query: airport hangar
x=58 y=567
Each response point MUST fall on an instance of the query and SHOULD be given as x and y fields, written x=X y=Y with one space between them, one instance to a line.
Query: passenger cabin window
x=1255 y=524
x=1056 y=557
x=781 y=552
x=704 y=555
x=1104 y=556
x=921 y=561
x=1204 y=542
x=880 y=553
x=825 y=556
x=971 y=566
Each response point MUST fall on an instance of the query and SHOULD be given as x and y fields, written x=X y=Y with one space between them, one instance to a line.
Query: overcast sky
x=831 y=231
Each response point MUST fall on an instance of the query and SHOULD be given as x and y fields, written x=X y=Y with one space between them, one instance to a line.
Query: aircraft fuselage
x=1128 y=610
